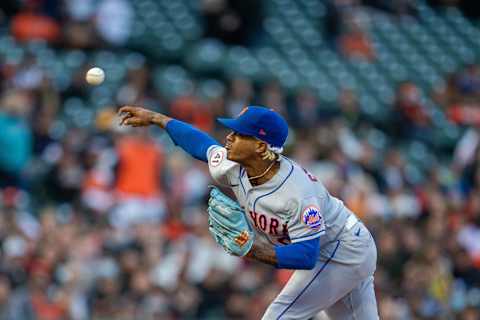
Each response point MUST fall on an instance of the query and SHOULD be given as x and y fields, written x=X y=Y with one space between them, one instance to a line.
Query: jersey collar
x=277 y=179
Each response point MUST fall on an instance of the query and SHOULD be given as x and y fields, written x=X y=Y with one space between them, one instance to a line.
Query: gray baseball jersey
x=294 y=206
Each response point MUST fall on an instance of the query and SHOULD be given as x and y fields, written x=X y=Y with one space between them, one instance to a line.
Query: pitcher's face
x=241 y=147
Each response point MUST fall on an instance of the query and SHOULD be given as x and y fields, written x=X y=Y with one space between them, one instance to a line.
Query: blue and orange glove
x=228 y=224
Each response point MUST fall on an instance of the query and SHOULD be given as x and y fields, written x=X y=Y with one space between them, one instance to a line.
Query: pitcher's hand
x=135 y=116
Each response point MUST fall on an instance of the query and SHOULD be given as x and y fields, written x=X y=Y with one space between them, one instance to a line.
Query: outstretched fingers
x=126 y=109
x=127 y=115
x=125 y=119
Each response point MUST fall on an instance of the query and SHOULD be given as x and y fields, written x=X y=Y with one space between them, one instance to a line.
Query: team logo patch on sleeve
x=217 y=158
x=311 y=217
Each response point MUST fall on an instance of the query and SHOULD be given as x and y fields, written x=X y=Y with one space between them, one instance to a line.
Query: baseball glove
x=228 y=224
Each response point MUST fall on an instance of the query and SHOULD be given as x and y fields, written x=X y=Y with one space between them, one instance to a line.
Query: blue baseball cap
x=261 y=123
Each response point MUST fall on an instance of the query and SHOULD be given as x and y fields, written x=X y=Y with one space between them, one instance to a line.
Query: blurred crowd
x=101 y=222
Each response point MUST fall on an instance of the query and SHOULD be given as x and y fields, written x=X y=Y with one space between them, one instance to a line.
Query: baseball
x=95 y=76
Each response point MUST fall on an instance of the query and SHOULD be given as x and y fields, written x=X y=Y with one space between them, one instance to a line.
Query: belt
x=351 y=221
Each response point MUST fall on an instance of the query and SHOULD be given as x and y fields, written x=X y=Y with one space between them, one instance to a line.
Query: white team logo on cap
x=311 y=217
x=217 y=158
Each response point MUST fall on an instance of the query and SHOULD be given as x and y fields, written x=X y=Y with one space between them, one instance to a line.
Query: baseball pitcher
x=283 y=215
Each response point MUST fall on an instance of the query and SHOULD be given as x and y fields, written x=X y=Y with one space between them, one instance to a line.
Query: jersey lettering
x=270 y=225
x=262 y=221
x=254 y=218
x=273 y=226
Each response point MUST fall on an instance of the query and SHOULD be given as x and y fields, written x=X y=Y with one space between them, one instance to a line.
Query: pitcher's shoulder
x=221 y=169
x=305 y=183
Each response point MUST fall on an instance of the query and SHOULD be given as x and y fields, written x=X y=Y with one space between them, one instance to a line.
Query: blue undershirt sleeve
x=192 y=140
x=299 y=255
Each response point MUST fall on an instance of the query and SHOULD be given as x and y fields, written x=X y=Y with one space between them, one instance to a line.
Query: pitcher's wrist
x=159 y=119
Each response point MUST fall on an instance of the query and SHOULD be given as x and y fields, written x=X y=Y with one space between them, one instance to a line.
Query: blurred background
x=100 y=222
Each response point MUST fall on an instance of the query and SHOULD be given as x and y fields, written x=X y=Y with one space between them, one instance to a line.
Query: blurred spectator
x=80 y=10
x=468 y=81
x=274 y=97
x=16 y=138
x=189 y=108
x=240 y=95
x=414 y=121
x=470 y=232
x=80 y=35
x=350 y=108
x=65 y=178
x=138 y=182
x=305 y=111
x=233 y=22
x=187 y=183
x=28 y=75
x=99 y=176
x=335 y=11
x=31 y=24
x=465 y=114
x=136 y=87
x=460 y=94
x=353 y=41
x=114 y=20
